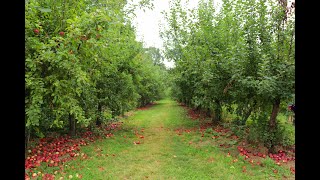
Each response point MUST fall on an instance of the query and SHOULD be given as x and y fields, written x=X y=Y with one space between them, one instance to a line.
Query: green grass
x=162 y=153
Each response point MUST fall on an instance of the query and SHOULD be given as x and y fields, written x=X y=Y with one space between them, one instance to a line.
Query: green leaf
x=44 y=9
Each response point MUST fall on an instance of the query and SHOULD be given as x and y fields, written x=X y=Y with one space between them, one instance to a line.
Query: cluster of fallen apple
x=279 y=158
x=55 y=151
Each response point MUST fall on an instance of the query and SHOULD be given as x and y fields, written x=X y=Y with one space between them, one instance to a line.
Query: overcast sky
x=147 y=24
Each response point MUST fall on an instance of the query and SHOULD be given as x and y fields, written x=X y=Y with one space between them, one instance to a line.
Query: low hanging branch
x=229 y=85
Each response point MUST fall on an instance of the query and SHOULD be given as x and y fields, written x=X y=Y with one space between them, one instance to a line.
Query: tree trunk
x=72 y=126
x=217 y=112
x=198 y=108
x=208 y=112
x=98 y=121
x=294 y=120
x=273 y=123
x=143 y=102
x=247 y=114
x=27 y=138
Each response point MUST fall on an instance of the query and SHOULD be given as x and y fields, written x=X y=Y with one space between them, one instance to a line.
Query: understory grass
x=162 y=153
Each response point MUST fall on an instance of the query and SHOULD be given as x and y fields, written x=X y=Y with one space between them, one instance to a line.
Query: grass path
x=162 y=154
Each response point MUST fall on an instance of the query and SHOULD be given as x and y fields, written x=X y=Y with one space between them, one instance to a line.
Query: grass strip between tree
x=148 y=147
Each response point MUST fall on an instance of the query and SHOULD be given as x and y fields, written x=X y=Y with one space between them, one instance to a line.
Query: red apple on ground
x=36 y=31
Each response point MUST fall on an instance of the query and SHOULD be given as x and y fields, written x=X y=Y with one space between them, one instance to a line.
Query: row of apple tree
x=84 y=66
x=237 y=56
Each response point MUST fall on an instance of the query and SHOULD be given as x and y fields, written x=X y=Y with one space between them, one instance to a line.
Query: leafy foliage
x=240 y=57
x=84 y=65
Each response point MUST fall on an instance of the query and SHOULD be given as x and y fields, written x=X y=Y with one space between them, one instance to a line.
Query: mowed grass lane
x=161 y=154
